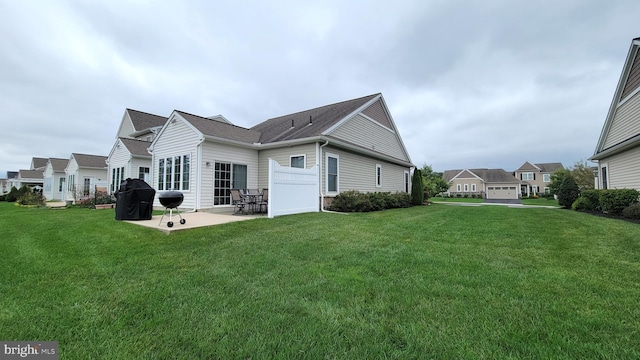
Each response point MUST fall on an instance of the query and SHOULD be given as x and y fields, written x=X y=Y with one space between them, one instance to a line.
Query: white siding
x=357 y=172
x=626 y=122
x=118 y=158
x=623 y=170
x=126 y=128
x=216 y=152
x=282 y=156
x=178 y=139
x=370 y=135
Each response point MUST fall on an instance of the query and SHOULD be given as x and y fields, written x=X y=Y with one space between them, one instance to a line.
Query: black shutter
x=534 y=176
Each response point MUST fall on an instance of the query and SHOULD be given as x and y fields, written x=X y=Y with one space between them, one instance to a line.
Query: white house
x=85 y=173
x=55 y=179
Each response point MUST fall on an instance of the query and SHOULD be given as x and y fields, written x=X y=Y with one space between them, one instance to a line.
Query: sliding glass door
x=227 y=176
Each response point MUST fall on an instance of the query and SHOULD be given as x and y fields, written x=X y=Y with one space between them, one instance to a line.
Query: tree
x=433 y=181
x=568 y=192
x=583 y=175
x=417 y=188
x=556 y=180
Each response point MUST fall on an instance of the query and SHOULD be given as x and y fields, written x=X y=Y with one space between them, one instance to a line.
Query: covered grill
x=134 y=200
x=171 y=200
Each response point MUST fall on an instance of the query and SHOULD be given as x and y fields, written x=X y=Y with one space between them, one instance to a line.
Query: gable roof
x=219 y=129
x=38 y=163
x=487 y=175
x=542 y=167
x=628 y=86
x=143 y=121
x=90 y=161
x=308 y=123
x=136 y=147
x=58 y=165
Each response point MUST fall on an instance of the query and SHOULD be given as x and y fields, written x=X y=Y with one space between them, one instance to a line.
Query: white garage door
x=502 y=192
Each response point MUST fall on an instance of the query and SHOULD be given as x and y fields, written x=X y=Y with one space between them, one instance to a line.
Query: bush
x=582 y=204
x=568 y=192
x=613 y=201
x=632 y=211
x=13 y=194
x=417 y=188
x=31 y=198
x=355 y=201
x=594 y=198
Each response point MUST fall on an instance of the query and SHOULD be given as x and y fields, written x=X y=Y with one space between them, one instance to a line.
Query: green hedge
x=615 y=200
x=355 y=201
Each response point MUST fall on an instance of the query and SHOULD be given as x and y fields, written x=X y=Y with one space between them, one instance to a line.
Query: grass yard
x=437 y=281
x=455 y=199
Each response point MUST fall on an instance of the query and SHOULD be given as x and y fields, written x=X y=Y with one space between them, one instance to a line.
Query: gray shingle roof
x=550 y=167
x=136 y=147
x=280 y=129
x=212 y=127
x=90 y=161
x=59 y=165
x=142 y=120
x=39 y=163
x=488 y=175
x=31 y=174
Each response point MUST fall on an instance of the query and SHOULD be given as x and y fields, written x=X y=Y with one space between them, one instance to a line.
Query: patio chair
x=263 y=201
x=238 y=201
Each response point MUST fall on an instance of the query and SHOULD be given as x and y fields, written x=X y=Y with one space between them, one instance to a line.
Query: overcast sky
x=469 y=83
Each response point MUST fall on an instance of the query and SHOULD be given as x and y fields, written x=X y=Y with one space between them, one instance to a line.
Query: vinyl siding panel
x=119 y=158
x=623 y=169
x=176 y=140
x=626 y=122
x=127 y=127
x=216 y=152
x=468 y=181
x=282 y=156
x=370 y=135
x=357 y=172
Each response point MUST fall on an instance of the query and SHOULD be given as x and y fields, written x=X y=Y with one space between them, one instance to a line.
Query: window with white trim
x=406 y=182
x=605 y=180
x=528 y=176
x=473 y=187
x=117 y=176
x=332 y=179
x=173 y=172
x=458 y=187
x=298 y=161
x=378 y=175
x=546 y=177
x=466 y=187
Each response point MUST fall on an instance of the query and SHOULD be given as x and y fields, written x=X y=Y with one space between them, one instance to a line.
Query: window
x=466 y=187
x=605 y=182
x=143 y=173
x=406 y=181
x=298 y=161
x=458 y=187
x=546 y=177
x=72 y=183
x=87 y=186
x=61 y=184
x=473 y=187
x=528 y=176
x=547 y=190
x=117 y=176
x=332 y=173
x=173 y=173
x=378 y=175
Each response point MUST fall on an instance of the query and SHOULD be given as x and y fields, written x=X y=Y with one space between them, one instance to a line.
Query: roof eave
x=616 y=149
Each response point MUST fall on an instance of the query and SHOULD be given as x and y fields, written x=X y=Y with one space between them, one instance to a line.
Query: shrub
x=632 y=211
x=355 y=201
x=594 y=198
x=568 y=192
x=582 y=204
x=31 y=198
x=465 y=196
x=615 y=200
x=13 y=194
x=458 y=195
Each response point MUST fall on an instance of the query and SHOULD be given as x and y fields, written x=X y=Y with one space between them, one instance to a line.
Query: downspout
x=320 y=176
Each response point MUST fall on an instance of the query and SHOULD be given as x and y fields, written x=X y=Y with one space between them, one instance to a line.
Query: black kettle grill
x=171 y=200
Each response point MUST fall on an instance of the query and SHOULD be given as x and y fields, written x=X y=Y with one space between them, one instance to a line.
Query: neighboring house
x=129 y=157
x=85 y=174
x=535 y=178
x=38 y=163
x=355 y=144
x=487 y=183
x=30 y=178
x=5 y=184
x=55 y=179
x=618 y=149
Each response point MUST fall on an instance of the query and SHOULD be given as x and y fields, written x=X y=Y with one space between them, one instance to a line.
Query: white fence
x=292 y=190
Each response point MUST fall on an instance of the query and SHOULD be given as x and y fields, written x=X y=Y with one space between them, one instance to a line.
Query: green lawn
x=540 y=201
x=454 y=199
x=435 y=281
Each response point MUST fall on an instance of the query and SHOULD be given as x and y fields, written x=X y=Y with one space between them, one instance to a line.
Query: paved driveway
x=502 y=201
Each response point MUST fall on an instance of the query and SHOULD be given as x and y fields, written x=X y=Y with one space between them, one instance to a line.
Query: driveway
x=503 y=201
